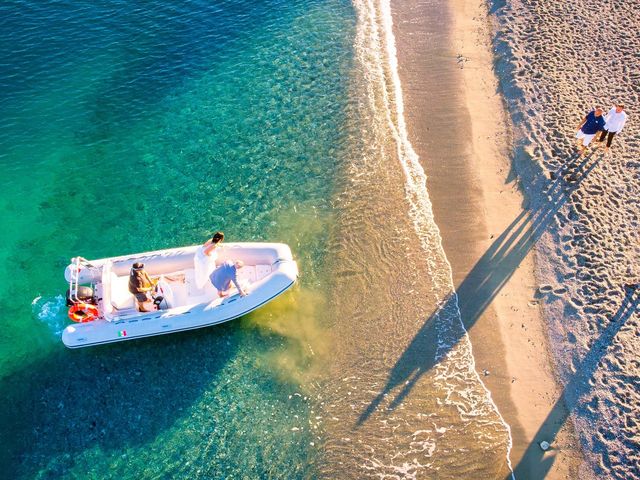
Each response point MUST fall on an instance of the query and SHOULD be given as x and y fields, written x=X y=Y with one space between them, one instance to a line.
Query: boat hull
x=189 y=317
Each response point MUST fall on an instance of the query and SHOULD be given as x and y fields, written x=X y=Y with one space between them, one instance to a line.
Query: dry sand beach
x=555 y=336
x=586 y=211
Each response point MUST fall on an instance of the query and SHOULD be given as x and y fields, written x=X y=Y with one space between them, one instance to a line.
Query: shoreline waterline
x=409 y=396
x=448 y=73
x=414 y=170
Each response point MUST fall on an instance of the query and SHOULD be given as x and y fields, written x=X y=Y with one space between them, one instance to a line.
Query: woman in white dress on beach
x=204 y=261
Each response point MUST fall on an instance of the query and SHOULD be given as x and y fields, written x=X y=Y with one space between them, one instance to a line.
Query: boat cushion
x=262 y=271
x=247 y=273
x=190 y=280
x=121 y=298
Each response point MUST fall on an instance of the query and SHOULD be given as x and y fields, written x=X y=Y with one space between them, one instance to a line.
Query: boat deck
x=182 y=287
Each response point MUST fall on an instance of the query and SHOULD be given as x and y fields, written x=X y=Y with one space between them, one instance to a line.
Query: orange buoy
x=83 y=312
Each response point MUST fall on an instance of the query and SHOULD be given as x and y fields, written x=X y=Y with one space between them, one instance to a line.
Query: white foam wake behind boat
x=269 y=271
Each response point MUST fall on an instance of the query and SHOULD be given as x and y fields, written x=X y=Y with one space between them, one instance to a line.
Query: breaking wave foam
x=375 y=48
x=50 y=311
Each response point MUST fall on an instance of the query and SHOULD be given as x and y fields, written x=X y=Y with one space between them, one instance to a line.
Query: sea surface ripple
x=128 y=126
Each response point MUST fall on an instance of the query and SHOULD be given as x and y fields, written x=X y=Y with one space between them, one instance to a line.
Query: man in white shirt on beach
x=615 y=121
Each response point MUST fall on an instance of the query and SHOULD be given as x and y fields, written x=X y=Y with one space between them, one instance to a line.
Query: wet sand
x=459 y=128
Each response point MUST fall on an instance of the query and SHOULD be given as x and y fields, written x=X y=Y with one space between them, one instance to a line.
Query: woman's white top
x=204 y=265
x=615 y=121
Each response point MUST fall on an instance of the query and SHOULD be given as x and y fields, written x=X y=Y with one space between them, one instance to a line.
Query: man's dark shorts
x=142 y=297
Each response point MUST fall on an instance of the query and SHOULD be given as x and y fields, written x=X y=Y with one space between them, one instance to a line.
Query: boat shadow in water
x=480 y=286
x=111 y=397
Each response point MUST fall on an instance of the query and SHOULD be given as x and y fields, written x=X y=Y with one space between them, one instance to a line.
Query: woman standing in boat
x=204 y=261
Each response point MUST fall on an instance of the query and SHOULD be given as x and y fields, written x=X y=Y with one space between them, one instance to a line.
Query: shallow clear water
x=126 y=128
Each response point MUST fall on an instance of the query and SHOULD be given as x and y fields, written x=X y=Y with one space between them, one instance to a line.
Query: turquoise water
x=126 y=127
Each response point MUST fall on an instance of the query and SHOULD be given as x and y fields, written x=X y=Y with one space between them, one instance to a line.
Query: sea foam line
x=417 y=194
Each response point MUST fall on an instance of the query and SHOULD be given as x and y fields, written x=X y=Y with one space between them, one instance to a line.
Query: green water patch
x=250 y=145
x=182 y=405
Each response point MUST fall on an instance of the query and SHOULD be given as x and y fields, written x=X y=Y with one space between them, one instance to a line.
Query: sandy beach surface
x=459 y=128
x=585 y=212
x=541 y=244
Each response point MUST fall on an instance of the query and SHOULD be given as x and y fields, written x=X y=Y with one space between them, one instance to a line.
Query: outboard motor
x=85 y=295
x=82 y=273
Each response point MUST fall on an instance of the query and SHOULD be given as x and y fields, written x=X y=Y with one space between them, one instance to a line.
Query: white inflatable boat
x=106 y=312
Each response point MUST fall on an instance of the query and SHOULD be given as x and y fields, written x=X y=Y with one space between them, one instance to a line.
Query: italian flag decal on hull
x=122 y=333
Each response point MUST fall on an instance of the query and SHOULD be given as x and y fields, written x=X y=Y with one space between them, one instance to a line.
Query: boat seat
x=247 y=273
x=121 y=298
x=253 y=274
x=190 y=281
x=262 y=271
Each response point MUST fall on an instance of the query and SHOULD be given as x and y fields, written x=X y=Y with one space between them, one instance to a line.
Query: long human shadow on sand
x=480 y=286
x=534 y=458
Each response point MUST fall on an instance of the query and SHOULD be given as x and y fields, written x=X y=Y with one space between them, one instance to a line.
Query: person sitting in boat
x=142 y=287
x=204 y=260
x=224 y=275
